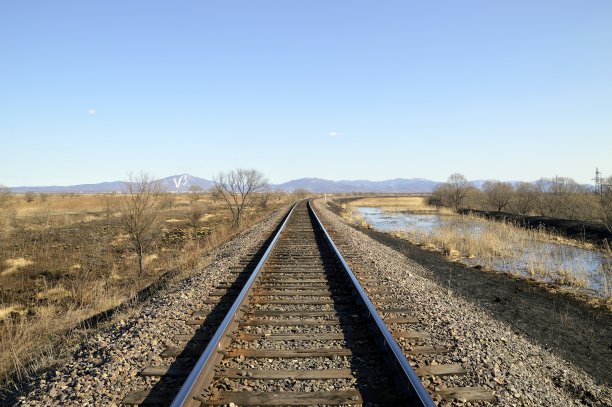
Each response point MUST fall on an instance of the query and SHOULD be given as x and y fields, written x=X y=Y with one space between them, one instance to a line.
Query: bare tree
x=29 y=196
x=194 y=221
x=604 y=199
x=498 y=194
x=560 y=198
x=5 y=196
x=110 y=204
x=140 y=214
x=236 y=188
x=439 y=195
x=525 y=198
x=458 y=188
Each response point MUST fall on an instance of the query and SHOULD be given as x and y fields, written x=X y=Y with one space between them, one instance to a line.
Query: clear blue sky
x=513 y=90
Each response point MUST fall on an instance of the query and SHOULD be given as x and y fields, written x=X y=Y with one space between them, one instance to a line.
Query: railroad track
x=295 y=327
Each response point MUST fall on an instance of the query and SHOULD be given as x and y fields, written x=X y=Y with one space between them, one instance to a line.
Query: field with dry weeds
x=413 y=204
x=64 y=258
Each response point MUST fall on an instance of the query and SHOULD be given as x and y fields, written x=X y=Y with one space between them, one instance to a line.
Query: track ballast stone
x=105 y=368
x=521 y=373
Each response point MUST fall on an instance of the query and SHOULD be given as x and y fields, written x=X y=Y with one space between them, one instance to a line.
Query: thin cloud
x=91 y=112
x=334 y=134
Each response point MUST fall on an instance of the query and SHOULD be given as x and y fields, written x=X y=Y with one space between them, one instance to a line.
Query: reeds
x=413 y=204
x=534 y=253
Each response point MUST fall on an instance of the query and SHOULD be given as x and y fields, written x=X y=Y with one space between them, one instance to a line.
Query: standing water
x=502 y=247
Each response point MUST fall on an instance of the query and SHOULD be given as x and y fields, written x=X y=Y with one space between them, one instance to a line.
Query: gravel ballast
x=105 y=368
x=519 y=371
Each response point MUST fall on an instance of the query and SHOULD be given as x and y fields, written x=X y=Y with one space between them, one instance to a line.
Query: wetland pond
x=501 y=246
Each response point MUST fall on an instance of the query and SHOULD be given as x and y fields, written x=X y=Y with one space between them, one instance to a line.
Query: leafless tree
x=438 y=195
x=140 y=217
x=29 y=196
x=110 y=204
x=458 y=189
x=525 y=198
x=604 y=199
x=561 y=197
x=5 y=196
x=194 y=221
x=236 y=188
x=498 y=194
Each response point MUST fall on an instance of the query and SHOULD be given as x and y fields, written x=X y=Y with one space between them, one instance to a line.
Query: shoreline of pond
x=562 y=263
x=591 y=232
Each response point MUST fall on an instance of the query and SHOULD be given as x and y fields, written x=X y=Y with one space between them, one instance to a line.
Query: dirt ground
x=571 y=329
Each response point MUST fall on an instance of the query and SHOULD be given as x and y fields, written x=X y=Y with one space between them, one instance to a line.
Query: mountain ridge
x=183 y=182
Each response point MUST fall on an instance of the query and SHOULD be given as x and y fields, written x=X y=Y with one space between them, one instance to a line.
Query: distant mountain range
x=183 y=182
x=393 y=185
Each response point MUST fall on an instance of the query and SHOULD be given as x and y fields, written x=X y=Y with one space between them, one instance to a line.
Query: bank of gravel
x=519 y=371
x=104 y=368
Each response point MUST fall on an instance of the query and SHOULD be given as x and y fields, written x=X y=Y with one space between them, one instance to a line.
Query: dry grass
x=606 y=273
x=476 y=241
x=11 y=311
x=12 y=265
x=501 y=240
x=413 y=204
x=64 y=259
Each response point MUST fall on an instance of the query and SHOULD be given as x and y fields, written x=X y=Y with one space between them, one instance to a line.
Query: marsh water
x=552 y=260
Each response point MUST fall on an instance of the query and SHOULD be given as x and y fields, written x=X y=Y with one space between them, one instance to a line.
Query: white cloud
x=91 y=111
x=334 y=134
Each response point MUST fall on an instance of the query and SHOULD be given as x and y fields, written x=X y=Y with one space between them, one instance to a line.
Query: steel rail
x=409 y=377
x=185 y=397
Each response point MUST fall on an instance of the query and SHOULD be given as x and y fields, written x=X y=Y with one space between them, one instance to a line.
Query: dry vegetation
x=558 y=197
x=64 y=258
x=412 y=204
x=518 y=248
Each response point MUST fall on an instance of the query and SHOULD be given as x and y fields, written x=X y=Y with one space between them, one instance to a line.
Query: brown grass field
x=64 y=258
x=414 y=204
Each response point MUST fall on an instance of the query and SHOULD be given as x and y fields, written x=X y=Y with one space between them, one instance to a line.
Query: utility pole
x=598 y=181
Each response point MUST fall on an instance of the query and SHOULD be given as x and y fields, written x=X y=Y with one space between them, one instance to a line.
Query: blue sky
x=512 y=90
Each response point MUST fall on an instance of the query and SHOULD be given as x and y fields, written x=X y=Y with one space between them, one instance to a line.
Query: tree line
x=557 y=197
